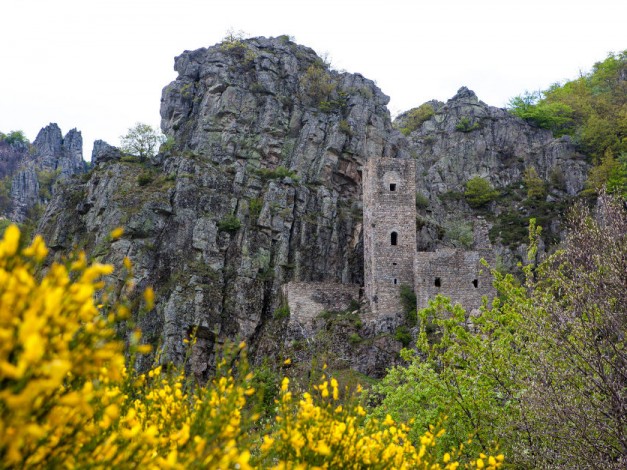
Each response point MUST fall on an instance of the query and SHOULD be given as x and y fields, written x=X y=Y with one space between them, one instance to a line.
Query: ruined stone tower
x=389 y=200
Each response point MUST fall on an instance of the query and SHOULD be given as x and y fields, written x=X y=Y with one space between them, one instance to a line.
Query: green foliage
x=408 y=301
x=141 y=141
x=46 y=179
x=422 y=201
x=413 y=119
x=403 y=335
x=229 y=224
x=13 y=137
x=610 y=174
x=465 y=124
x=354 y=338
x=536 y=188
x=542 y=369
x=144 y=178
x=279 y=172
x=345 y=127
x=318 y=84
x=282 y=311
x=479 y=192
x=254 y=207
x=460 y=233
x=6 y=203
x=590 y=108
x=554 y=116
x=168 y=144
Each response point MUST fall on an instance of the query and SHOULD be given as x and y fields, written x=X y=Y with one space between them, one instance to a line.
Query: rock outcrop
x=463 y=138
x=260 y=185
x=39 y=165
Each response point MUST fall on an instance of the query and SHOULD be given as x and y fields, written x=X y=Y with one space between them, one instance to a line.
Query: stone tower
x=389 y=200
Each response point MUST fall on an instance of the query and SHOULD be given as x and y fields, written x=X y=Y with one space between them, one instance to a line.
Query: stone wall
x=455 y=273
x=389 y=195
x=307 y=300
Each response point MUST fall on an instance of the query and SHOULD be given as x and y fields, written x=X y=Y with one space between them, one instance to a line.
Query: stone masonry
x=391 y=259
x=389 y=196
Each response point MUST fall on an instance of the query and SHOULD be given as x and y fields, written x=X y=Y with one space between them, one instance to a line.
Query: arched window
x=475 y=283
x=394 y=238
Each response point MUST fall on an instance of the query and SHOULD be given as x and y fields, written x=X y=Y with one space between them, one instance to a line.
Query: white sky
x=100 y=65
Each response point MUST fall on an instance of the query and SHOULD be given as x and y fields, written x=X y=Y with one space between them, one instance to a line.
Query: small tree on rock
x=141 y=140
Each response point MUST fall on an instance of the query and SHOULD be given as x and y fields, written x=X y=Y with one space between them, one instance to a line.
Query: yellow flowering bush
x=67 y=400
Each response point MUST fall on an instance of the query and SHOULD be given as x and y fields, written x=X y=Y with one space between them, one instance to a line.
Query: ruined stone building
x=391 y=259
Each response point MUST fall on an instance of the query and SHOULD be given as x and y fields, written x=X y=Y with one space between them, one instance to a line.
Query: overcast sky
x=100 y=65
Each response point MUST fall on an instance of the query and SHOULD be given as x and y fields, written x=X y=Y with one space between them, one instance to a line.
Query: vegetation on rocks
x=479 y=192
x=590 y=109
x=541 y=369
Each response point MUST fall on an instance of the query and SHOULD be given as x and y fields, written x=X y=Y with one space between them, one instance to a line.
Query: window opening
x=393 y=264
x=392 y=186
x=395 y=281
x=475 y=283
x=438 y=283
x=394 y=238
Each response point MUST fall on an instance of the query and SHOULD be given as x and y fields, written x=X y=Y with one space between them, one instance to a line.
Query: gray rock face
x=465 y=138
x=103 y=152
x=51 y=157
x=262 y=186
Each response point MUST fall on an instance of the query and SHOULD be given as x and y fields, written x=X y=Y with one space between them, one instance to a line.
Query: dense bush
x=590 y=108
x=229 y=224
x=479 y=192
x=542 y=371
x=413 y=119
x=68 y=400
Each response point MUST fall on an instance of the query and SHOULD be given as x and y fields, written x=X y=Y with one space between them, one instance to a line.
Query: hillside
x=260 y=184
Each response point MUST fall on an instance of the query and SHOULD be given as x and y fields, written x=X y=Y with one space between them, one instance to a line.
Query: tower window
x=395 y=281
x=392 y=186
x=394 y=238
x=475 y=283
x=438 y=282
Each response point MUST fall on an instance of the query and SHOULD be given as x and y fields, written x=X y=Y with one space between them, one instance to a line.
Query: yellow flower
x=116 y=233
x=149 y=298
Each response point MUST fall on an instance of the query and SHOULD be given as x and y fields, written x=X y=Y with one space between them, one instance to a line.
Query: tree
x=479 y=192
x=543 y=371
x=141 y=140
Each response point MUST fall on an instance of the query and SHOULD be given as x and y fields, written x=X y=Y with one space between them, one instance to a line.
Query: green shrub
x=277 y=173
x=465 y=124
x=479 y=192
x=345 y=127
x=403 y=335
x=229 y=224
x=413 y=119
x=460 y=233
x=422 y=201
x=254 y=207
x=144 y=178
x=354 y=338
x=317 y=83
x=536 y=189
x=282 y=311
x=13 y=137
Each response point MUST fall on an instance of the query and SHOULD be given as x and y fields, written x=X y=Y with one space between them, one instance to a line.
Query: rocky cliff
x=31 y=170
x=259 y=184
x=463 y=138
